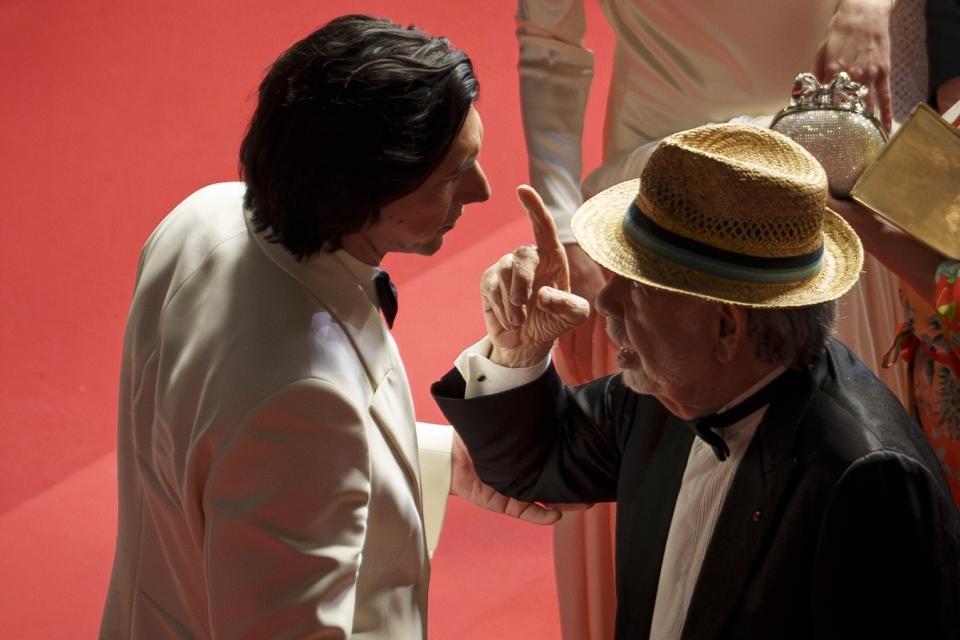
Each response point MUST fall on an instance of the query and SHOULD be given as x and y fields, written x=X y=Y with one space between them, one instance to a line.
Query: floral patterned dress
x=929 y=342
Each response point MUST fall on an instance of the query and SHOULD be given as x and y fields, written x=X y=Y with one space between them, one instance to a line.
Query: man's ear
x=731 y=331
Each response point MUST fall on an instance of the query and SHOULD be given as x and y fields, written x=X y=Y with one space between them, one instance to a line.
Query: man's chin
x=637 y=382
x=428 y=248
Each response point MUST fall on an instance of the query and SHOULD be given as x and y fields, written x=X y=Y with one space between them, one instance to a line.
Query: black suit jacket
x=838 y=523
x=943 y=36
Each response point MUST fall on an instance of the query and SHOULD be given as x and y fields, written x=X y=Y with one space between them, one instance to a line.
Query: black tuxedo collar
x=778 y=429
x=644 y=523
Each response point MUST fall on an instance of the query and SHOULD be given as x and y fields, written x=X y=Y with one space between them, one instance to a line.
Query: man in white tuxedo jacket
x=272 y=481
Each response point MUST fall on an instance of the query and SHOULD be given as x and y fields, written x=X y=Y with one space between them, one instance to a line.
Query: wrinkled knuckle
x=519 y=262
x=524 y=269
x=490 y=281
x=525 y=251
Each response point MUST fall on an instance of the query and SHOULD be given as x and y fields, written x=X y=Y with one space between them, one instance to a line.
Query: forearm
x=911 y=260
x=948 y=92
x=537 y=441
x=509 y=433
x=866 y=9
x=555 y=75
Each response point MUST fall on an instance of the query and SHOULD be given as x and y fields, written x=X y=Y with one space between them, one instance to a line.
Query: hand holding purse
x=832 y=122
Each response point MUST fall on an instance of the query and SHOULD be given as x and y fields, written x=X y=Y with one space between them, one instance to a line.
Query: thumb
x=537 y=514
x=569 y=307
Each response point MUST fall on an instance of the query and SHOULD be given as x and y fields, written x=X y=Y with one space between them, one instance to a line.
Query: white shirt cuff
x=485 y=378
x=435 y=444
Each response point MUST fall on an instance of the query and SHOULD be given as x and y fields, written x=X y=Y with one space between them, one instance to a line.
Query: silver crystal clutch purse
x=832 y=122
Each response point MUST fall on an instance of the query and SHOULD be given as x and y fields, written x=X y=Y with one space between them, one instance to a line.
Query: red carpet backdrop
x=116 y=110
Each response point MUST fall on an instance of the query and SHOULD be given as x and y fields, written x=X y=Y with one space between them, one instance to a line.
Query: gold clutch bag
x=832 y=122
x=915 y=183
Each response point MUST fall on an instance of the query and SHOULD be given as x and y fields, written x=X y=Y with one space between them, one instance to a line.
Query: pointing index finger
x=545 y=233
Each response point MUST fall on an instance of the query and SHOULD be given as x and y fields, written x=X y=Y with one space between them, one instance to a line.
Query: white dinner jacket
x=268 y=456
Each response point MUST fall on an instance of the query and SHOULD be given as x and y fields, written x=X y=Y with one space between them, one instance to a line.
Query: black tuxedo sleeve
x=544 y=441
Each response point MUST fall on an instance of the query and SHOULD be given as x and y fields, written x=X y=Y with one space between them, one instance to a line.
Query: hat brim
x=598 y=228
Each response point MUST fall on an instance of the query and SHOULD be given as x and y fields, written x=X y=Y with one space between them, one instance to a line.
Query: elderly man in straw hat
x=768 y=485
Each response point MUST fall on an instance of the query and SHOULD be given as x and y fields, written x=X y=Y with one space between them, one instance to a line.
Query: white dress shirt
x=703 y=489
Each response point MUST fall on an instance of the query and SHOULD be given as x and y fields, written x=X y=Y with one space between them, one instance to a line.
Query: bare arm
x=914 y=262
x=555 y=75
x=948 y=93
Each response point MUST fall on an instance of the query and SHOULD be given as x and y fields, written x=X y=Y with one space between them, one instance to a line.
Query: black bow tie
x=386 y=296
x=704 y=426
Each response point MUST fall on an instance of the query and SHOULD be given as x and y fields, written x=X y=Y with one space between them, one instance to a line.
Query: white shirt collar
x=362 y=271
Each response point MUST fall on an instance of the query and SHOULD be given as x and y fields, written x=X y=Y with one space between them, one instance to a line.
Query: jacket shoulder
x=853 y=416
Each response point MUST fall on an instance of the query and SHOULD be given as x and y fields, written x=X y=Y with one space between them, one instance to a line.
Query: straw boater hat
x=731 y=213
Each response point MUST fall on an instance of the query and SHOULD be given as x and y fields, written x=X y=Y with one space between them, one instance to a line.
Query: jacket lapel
x=339 y=292
x=392 y=409
x=750 y=512
x=642 y=541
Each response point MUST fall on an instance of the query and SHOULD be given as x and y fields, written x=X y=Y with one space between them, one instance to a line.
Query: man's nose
x=476 y=187
x=608 y=300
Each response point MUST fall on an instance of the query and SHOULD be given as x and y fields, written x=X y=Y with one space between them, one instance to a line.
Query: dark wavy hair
x=352 y=117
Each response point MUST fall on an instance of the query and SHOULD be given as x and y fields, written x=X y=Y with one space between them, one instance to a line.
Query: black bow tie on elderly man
x=705 y=425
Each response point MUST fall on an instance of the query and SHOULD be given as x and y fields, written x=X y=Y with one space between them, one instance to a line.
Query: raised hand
x=526 y=295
